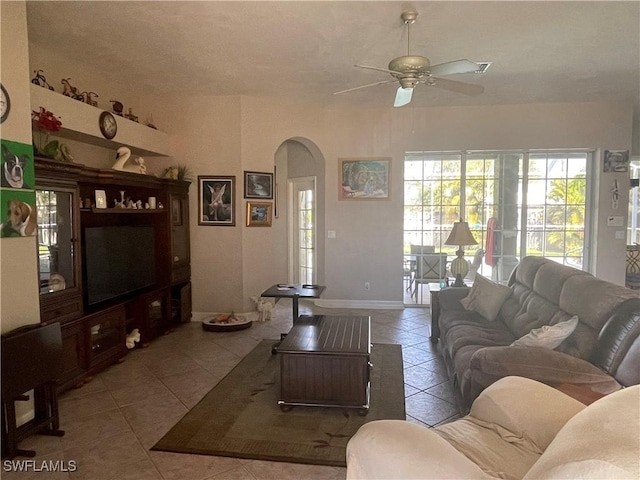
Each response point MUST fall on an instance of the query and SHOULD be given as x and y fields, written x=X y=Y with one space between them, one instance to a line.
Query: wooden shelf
x=80 y=123
x=123 y=210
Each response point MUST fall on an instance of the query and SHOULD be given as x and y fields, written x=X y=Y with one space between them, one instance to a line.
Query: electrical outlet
x=367 y=286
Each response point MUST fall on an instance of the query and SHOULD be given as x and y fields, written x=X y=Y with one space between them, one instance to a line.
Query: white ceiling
x=305 y=50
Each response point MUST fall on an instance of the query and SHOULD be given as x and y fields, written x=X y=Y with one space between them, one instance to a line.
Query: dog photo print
x=20 y=217
x=17 y=165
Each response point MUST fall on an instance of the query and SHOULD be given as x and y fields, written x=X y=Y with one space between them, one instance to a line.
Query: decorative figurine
x=171 y=172
x=131 y=116
x=88 y=99
x=122 y=202
x=132 y=338
x=40 y=80
x=122 y=156
x=149 y=122
x=117 y=107
x=64 y=154
x=71 y=91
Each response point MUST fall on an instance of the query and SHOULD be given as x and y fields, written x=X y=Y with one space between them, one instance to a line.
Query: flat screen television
x=118 y=260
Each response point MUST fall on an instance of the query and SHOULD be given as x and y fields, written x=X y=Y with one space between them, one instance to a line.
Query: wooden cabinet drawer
x=64 y=311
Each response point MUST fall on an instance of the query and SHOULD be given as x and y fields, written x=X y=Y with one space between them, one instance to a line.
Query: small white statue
x=133 y=338
x=264 y=308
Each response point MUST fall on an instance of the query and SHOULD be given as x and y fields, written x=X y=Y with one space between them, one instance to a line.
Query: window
x=501 y=195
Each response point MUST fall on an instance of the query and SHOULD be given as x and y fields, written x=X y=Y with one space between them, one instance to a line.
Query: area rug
x=240 y=416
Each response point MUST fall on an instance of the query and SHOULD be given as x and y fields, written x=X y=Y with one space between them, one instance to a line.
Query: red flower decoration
x=47 y=120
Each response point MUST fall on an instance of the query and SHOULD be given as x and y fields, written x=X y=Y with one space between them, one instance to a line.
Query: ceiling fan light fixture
x=403 y=96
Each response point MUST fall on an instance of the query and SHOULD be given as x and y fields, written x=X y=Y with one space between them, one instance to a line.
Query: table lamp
x=461 y=236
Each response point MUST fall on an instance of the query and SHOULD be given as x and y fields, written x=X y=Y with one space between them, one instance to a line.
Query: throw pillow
x=548 y=336
x=486 y=297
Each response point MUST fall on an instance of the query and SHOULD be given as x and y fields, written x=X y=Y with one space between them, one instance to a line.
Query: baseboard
x=324 y=303
x=372 y=304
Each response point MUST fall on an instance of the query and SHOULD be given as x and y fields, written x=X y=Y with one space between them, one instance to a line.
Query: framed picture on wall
x=259 y=214
x=616 y=161
x=364 y=179
x=258 y=185
x=217 y=200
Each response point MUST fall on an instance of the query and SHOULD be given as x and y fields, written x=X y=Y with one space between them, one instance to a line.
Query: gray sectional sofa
x=602 y=353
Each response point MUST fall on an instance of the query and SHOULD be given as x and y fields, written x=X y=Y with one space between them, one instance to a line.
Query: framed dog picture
x=17 y=165
x=258 y=185
x=217 y=200
x=259 y=214
x=364 y=179
x=21 y=217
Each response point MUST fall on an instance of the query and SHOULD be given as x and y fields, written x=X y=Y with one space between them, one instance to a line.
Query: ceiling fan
x=411 y=70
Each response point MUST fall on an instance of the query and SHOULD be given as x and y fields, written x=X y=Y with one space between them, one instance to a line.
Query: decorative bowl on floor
x=225 y=323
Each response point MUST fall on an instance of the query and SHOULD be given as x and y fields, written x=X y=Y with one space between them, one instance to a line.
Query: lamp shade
x=460 y=235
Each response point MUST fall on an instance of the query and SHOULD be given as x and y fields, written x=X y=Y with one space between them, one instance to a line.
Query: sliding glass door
x=516 y=203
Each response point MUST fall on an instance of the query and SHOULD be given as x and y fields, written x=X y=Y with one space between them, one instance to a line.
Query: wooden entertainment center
x=94 y=333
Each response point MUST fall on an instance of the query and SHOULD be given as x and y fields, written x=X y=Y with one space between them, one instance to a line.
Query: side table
x=434 y=290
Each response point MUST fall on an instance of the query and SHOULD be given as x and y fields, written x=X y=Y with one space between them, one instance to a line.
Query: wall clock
x=108 y=125
x=5 y=104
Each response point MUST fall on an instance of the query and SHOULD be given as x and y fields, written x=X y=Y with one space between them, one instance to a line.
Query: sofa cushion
x=548 y=336
x=599 y=442
x=501 y=435
x=486 y=298
x=547 y=366
x=387 y=449
x=593 y=300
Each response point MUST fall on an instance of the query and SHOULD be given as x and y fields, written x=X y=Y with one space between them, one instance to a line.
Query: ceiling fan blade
x=386 y=70
x=365 y=86
x=458 y=87
x=403 y=96
x=451 y=68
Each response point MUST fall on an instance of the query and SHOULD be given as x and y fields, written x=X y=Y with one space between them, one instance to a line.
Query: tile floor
x=112 y=422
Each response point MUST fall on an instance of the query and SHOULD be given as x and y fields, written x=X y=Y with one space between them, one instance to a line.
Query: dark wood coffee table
x=324 y=361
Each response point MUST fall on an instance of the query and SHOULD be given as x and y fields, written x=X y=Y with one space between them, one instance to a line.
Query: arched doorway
x=300 y=199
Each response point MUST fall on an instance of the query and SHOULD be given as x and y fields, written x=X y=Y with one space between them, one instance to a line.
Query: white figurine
x=122 y=157
x=133 y=338
x=264 y=308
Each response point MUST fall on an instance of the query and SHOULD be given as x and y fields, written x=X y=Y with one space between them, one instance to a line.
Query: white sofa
x=516 y=429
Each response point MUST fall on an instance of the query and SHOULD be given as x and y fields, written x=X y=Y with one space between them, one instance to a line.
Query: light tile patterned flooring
x=112 y=422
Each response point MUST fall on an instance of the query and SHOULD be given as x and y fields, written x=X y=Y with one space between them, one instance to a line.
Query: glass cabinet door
x=56 y=255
